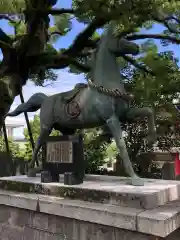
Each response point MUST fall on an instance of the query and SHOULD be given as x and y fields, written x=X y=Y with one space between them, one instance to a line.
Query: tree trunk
x=6 y=139
x=7 y=95
x=10 y=85
x=16 y=67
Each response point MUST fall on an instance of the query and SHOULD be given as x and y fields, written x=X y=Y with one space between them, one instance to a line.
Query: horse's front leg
x=116 y=131
x=141 y=113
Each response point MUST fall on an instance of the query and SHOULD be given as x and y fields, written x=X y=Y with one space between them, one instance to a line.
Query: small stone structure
x=102 y=208
x=12 y=165
x=164 y=160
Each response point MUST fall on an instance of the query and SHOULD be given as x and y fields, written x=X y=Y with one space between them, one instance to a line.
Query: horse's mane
x=94 y=53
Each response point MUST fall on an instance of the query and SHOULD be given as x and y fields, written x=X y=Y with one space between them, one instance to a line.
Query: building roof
x=20 y=140
x=14 y=122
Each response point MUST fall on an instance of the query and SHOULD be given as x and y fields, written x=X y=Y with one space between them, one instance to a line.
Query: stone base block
x=111 y=209
x=100 y=189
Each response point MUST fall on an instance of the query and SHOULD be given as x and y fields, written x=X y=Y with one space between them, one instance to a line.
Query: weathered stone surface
x=107 y=190
x=59 y=228
x=8 y=232
x=109 y=215
x=29 y=225
x=160 y=221
x=40 y=234
x=64 y=216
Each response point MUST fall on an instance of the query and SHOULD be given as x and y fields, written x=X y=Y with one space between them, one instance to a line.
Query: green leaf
x=95 y=36
x=63 y=23
x=12 y=6
x=149 y=46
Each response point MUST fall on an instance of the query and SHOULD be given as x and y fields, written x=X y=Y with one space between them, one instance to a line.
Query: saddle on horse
x=70 y=95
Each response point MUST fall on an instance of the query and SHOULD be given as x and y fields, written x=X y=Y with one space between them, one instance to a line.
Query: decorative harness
x=112 y=92
x=73 y=109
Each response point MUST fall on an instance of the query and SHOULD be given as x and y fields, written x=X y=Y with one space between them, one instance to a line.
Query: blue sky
x=66 y=81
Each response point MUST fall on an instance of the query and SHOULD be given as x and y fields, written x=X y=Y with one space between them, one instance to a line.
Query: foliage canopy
x=153 y=76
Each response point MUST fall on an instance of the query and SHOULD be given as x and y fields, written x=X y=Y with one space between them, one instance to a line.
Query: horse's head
x=119 y=45
x=126 y=47
x=105 y=68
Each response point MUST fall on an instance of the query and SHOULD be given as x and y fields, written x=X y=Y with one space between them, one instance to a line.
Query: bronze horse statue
x=103 y=101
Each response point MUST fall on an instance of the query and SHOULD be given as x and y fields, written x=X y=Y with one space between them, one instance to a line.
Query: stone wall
x=19 y=224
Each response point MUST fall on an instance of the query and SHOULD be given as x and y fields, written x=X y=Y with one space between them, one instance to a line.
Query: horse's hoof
x=136 y=181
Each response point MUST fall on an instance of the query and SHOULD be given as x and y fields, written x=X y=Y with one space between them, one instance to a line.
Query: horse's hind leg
x=45 y=132
x=115 y=128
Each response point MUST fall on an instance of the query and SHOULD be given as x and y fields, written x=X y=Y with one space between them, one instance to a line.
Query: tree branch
x=83 y=38
x=154 y=36
x=52 y=11
x=5 y=44
x=172 y=18
x=162 y=18
x=63 y=61
x=4 y=38
x=137 y=65
x=56 y=33
x=55 y=61
x=60 y=11
x=6 y=17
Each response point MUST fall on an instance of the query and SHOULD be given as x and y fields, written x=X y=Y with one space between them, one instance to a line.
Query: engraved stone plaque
x=59 y=152
x=63 y=155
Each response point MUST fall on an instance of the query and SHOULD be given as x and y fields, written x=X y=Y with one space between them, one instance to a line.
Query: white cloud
x=65 y=82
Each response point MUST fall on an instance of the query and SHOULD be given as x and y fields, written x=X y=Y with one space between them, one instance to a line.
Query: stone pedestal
x=63 y=155
x=102 y=207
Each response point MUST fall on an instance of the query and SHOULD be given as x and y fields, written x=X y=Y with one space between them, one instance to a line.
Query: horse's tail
x=32 y=105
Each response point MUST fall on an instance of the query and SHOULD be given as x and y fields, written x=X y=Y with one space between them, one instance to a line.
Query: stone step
x=101 y=189
x=160 y=221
